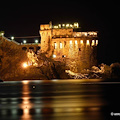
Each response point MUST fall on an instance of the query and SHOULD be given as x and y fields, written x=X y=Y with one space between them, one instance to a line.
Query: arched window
x=24 y=48
x=55 y=45
x=38 y=48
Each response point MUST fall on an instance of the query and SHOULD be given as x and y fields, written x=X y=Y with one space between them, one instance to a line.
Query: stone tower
x=76 y=48
x=45 y=32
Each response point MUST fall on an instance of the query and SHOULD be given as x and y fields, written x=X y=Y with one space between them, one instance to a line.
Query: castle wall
x=79 y=48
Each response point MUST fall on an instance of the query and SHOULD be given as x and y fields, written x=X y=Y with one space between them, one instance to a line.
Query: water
x=59 y=100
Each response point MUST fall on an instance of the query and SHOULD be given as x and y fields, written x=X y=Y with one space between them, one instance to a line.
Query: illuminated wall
x=61 y=42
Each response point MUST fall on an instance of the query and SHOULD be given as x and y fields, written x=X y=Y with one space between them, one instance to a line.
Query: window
x=75 y=42
x=96 y=42
x=88 y=43
x=60 y=45
x=70 y=41
x=55 y=45
x=93 y=42
x=81 y=41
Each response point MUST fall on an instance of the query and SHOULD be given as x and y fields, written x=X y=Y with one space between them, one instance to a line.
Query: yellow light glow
x=85 y=34
x=93 y=42
x=55 y=26
x=55 y=45
x=96 y=42
x=59 y=25
x=25 y=65
x=71 y=42
x=54 y=56
x=67 y=25
x=81 y=41
x=76 y=25
x=88 y=43
x=63 y=25
x=60 y=45
x=75 y=41
x=12 y=38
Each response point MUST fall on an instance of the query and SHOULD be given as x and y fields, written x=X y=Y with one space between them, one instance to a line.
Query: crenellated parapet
x=67 y=44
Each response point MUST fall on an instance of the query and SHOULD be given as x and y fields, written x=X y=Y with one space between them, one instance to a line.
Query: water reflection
x=57 y=100
x=26 y=105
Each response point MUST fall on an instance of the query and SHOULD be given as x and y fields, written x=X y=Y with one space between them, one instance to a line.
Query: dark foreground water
x=59 y=100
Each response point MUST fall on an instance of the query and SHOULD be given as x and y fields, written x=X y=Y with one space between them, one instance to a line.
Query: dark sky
x=24 y=19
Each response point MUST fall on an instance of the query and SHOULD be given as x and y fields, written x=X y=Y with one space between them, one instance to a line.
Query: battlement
x=62 y=42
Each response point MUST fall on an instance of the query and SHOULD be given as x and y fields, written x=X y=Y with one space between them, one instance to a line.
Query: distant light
x=54 y=56
x=85 y=34
x=81 y=41
x=60 y=45
x=76 y=25
x=93 y=42
x=96 y=42
x=75 y=41
x=36 y=41
x=12 y=38
x=63 y=25
x=25 y=65
x=24 y=41
x=67 y=25
x=2 y=33
x=70 y=41
x=59 y=25
x=55 y=45
x=88 y=42
x=25 y=82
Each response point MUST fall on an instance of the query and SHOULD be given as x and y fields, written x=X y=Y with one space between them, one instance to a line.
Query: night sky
x=23 y=19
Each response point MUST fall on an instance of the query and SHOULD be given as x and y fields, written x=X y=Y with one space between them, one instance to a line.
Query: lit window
x=81 y=41
x=96 y=42
x=95 y=33
x=75 y=42
x=93 y=42
x=88 y=42
x=54 y=56
x=55 y=45
x=67 y=25
x=85 y=34
x=63 y=25
x=60 y=45
x=71 y=42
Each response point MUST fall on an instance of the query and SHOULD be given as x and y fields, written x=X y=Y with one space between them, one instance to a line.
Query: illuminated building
x=62 y=42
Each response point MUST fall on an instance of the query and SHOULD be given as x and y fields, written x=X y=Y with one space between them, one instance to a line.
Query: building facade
x=63 y=42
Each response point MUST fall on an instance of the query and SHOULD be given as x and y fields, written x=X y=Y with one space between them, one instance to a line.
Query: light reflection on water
x=26 y=105
x=55 y=100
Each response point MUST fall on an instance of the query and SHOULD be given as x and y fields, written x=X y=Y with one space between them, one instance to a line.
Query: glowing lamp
x=54 y=56
x=12 y=38
x=24 y=41
x=25 y=65
x=36 y=41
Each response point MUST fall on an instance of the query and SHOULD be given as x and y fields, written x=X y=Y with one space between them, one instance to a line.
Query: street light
x=25 y=65
x=24 y=41
x=36 y=41
x=12 y=38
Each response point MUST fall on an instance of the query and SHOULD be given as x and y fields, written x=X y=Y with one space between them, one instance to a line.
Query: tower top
x=59 y=26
